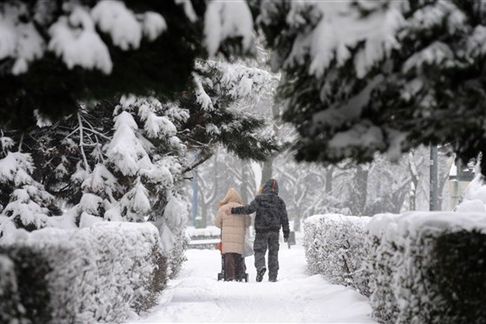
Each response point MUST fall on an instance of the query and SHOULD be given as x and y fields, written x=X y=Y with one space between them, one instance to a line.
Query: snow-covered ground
x=196 y=296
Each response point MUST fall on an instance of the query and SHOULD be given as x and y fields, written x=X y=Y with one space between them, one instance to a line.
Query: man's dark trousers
x=262 y=241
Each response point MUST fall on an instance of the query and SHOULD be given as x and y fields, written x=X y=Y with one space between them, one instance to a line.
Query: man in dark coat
x=271 y=214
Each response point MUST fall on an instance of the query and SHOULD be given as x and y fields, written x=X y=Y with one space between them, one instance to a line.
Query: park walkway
x=196 y=295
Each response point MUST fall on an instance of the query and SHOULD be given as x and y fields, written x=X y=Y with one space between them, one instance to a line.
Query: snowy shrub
x=428 y=267
x=171 y=227
x=207 y=232
x=381 y=263
x=474 y=200
x=459 y=272
x=176 y=254
x=31 y=303
x=100 y=273
x=23 y=200
x=10 y=307
x=131 y=174
x=334 y=248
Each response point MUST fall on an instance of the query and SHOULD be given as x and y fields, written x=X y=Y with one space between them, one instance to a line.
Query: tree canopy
x=359 y=76
x=380 y=76
x=57 y=54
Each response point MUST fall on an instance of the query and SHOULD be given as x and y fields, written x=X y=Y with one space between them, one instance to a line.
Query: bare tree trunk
x=433 y=178
x=361 y=190
x=414 y=177
x=244 y=182
x=195 y=199
x=216 y=179
x=204 y=214
x=267 y=170
x=443 y=176
x=440 y=197
x=398 y=198
x=81 y=143
x=297 y=218
x=482 y=164
x=329 y=173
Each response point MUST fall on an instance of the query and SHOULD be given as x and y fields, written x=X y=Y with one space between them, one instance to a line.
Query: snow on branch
x=226 y=19
x=73 y=36
x=79 y=46
x=335 y=28
x=114 y=18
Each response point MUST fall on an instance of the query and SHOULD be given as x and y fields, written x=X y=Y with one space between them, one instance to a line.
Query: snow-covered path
x=196 y=296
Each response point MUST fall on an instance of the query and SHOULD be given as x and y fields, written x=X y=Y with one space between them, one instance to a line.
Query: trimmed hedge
x=460 y=275
x=334 y=248
x=100 y=273
x=417 y=268
x=176 y=253
x=33 y=294
x=428 y=267
x=11 y=310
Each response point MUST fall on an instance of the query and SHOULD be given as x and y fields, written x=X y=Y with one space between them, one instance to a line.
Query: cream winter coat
x=234 y=226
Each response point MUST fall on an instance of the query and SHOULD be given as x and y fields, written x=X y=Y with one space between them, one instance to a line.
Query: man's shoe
x=272 y=279
x=260 y=274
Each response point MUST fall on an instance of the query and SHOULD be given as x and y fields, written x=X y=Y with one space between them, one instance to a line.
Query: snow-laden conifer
x=24 y=201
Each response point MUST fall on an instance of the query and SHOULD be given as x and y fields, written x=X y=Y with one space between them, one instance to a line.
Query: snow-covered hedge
x=203 y=233
x=172 y=233
x=428 y=267
x=177 y=254
x=420 y=267
x=26 y=295
x=334 y=248
x=100 y=273
x=10 y=306
x=474 y=200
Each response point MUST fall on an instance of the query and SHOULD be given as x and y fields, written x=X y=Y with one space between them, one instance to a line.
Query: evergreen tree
x=23 y=201
x=125 y=161
x=56 y=54
x=215 y=117
x=380 y=76
x=143 y=165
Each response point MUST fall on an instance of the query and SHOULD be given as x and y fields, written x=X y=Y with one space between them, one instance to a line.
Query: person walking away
x=233 y=234
x=271 y=215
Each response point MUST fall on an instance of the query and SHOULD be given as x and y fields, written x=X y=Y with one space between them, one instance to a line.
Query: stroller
x=242 y=275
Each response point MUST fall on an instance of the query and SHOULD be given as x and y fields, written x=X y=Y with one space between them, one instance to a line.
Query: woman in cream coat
x=234 y=228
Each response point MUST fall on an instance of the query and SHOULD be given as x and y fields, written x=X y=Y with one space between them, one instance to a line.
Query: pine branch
x=81 y=143
x=92 y=130
x=205 y=157
x=72 y=133
x=21 y=141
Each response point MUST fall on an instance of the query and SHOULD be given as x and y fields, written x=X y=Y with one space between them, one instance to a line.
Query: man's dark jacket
x=270 y=209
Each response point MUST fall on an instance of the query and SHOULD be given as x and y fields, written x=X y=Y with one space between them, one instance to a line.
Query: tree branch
x=81 y=144
x=198 y=163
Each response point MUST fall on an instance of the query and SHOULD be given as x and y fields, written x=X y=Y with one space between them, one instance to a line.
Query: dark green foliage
x=334 y=248
x=238 y=132
x=55 y=277
x=22 y=199
x=156 y=283
x=459 y=275
x=433 y=273
x=58 y=145
x=163 y=66
x=31 y=269
x=11 y=309
x=448 y=107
